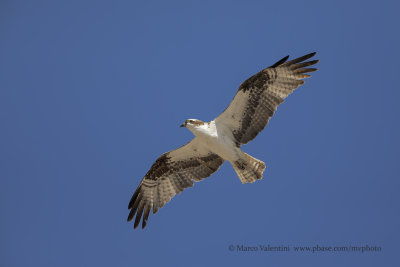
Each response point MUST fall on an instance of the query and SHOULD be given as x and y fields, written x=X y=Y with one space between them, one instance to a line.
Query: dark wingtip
x=130 y=217
x=312 y=69
x=133 y=199
x=299 y=60
x=137 y=221
x=312 y=54
x=146 y=216
x=283 y=60
x=139 y=215
x=312 y=62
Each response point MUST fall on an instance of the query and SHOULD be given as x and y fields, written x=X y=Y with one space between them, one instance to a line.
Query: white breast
x=218 y=139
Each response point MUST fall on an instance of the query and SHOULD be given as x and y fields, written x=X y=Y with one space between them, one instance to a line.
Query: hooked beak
x=182 y=125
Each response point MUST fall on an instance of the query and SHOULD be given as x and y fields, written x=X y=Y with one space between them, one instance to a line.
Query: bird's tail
x=248 y=169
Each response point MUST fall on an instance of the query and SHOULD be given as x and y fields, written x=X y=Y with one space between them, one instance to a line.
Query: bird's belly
x=223 y=147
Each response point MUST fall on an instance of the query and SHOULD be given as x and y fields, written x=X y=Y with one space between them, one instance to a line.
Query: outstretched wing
x=171 y=174
x=259 y=96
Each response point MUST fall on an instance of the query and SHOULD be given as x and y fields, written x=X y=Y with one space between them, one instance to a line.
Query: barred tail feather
x=248 y=169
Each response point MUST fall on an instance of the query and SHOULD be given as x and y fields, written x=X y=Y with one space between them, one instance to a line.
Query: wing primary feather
x=134 y=207
x=146 y=216
x=130 y=216
x=304 y=64
x=139 y=215
x=133 y=199
x=305 y=70
x=302 y=76
x=283 y=60
x=155 y=209
x=155 y=200
x=300 y=59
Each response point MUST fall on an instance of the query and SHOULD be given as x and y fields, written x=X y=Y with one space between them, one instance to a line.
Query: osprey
x=220 y=139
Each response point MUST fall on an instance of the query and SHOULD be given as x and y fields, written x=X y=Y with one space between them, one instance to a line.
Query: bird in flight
x=220 y=139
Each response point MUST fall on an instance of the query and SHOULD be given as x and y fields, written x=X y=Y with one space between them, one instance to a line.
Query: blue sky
x=92 y=92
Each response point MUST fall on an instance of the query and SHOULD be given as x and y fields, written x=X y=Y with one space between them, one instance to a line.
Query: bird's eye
x=191 y=121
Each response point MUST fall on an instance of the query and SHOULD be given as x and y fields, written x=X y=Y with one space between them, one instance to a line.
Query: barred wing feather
x=170 y=174
x=259 y=96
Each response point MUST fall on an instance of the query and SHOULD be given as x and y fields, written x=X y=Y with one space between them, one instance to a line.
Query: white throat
x=207 y=129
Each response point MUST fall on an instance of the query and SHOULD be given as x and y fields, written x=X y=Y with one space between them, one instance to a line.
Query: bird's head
x=192 y=123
